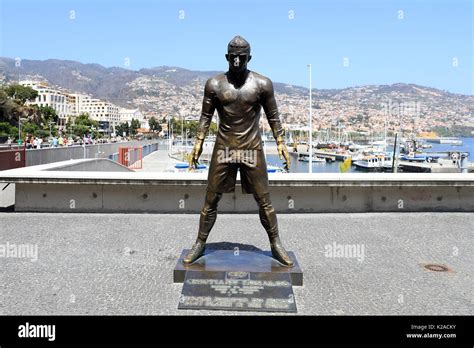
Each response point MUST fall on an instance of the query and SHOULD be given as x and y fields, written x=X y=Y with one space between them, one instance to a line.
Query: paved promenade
x=123 y=263
x=158 y=161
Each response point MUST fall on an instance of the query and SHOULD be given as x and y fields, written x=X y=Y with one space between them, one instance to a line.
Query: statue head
x=238 y=54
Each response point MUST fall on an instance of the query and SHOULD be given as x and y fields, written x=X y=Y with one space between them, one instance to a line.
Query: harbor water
x=333 y=167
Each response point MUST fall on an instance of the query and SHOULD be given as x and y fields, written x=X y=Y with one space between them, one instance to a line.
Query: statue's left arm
x=271 y=111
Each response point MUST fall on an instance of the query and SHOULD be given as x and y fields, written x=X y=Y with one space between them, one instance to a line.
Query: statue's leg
x=208 y=215
x=206 y=221
x=269 y=221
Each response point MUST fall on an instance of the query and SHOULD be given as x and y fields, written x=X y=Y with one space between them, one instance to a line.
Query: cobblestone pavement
x=123 y=263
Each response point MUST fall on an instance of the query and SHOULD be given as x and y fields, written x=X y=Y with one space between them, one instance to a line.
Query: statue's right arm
x=208 y=109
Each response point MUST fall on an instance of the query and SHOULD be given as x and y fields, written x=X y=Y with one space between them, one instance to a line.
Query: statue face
x=238 y=60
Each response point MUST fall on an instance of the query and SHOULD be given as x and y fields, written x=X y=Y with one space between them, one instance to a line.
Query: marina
x=412 y=156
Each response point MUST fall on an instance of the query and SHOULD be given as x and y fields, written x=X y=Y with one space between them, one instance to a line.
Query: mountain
x=169 y=90
x=94 y=79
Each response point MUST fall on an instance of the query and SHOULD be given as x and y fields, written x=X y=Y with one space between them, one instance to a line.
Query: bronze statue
x=238 y=95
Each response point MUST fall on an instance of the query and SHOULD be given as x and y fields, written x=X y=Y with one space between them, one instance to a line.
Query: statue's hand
x=195 y=153
x=283 y=153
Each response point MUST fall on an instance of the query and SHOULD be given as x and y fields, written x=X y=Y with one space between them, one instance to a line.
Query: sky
x=347 y=42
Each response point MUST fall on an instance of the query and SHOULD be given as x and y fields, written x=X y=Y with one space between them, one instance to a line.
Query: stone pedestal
x=239 y=280
x=241 y=260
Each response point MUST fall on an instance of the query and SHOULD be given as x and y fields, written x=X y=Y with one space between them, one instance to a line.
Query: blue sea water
x=303 y=167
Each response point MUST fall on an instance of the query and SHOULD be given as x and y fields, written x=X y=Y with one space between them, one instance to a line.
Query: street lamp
x=310 y=122
x=186 y=141
x=19 y=118
x=50 y=123
x=19 y=130
x=182 y=134
x=169 y=133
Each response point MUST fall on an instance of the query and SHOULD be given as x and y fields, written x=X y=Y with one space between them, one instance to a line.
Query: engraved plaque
x=238 y=291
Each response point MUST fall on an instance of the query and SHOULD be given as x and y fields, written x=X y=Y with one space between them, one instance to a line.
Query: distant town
x=114 y=96
x=72 y=104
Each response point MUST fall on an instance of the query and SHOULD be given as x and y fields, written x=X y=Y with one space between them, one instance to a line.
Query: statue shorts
x=224 y=166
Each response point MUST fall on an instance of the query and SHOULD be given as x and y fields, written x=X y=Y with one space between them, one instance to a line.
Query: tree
x=176 y=126
x=29 y=127
x=83 y=125
x=34 y=119
x=154 y=125
x=48 y=114
x=7 y=130
x=48 y=119
x=191 y=126
x=7 y=107
x=122 y=127
x=134 y=125
x=21 y=94
x=85 y=120
x=69 y=124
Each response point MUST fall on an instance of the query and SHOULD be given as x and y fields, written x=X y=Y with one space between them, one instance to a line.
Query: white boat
x=450 y=141
x=358 y=156
x=373 y=163
x=445 y=140
x=316 y=159
x=275 y=169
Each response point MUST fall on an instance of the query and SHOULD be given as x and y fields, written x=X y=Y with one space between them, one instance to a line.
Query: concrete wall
x=185 y=194
x=92 y=165
x=7 y=196
x=57 y=154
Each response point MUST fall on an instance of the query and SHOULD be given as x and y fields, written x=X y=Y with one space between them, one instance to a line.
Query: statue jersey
x=238 y=109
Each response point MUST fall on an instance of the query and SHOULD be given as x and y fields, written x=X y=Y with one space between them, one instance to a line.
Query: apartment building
x=126 y=115
x=49 y=96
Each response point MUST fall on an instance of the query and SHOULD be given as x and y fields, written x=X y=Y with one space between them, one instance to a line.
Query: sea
x=303 y=167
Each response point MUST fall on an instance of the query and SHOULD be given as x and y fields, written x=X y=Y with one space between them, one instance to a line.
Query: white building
x=74 y=104
x=49 y=96
x=75 y=101
x=126 y=115
x=100 y=110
